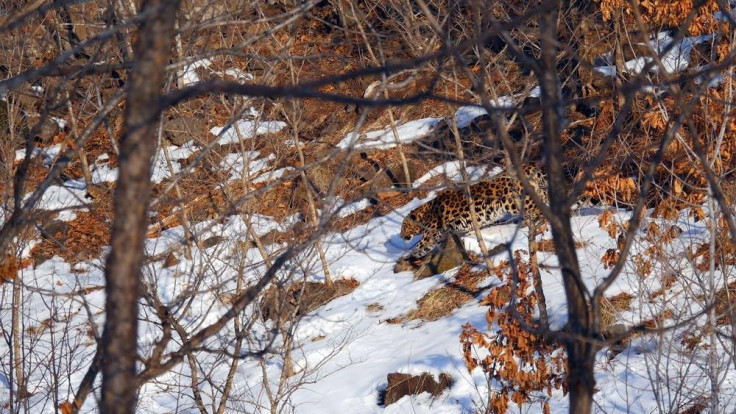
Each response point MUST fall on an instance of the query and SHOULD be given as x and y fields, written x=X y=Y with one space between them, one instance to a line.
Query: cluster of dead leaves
x=83 y=240
x=612 y=189
x=652 y=234
x=8 y=268
x=723 y=253
x=664 y=13
x=522 y=363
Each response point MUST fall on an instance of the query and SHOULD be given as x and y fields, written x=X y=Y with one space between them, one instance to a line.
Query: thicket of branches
x=134 y=81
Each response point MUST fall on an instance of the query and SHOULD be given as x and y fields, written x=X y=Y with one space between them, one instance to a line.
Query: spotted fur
x=493 y=199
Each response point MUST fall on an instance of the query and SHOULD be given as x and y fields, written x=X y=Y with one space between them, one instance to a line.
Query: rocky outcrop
x=400 y=385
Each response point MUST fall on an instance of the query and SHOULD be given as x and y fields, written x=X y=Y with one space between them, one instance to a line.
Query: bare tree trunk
x=19 y=393
x=536 y=276
x=87 y=385
x=580 y=349
x=137 y=147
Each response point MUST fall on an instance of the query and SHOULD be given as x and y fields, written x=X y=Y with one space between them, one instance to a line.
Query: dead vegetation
x=332 y=39
x=299 y=299
x=441 y=302
x=74 y=241
x=377 y=172
x=527 y=366
x=612 y=308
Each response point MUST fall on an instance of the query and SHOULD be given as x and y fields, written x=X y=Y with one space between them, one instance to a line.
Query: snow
x=451 y=171
x=346 y=348
x=245 y=129
x=384 y=138
x=466 y=114
x=161 y=170
x=413 y=130
x=270 y=175
x=49 y=154
x=675 y=60
x=236 y=164
x=189 y=75
x=60 y=122
x=352 y=208
x=239 y=74
x=65 y=199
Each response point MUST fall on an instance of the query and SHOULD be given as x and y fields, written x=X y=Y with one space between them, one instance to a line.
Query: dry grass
x=374 y=307
x=441 y=302
x=298 y=299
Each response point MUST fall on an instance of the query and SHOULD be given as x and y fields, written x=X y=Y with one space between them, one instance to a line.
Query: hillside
x=291 y=139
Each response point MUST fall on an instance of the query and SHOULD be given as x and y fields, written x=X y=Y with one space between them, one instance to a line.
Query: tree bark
x=580 y=349
x=137 y=146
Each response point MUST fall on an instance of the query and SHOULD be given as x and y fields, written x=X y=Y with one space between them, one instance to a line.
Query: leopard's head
x=412 y=224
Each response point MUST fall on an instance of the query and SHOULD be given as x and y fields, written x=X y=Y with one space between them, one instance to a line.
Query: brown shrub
x=522 y=363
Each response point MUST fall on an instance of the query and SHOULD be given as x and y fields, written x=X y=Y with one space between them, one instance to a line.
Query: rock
x=450 y=255
x=611 y=333
x=400 y=385
x=395 y=172
x=55 y=230
x=404 y=264
x=42 y=132
x=211 y=241
x=180 y=130
x=39 y=256
x=331 y=124
x=384 y=177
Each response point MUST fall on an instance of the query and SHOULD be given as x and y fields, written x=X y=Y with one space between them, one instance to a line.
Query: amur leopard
x=493 y=199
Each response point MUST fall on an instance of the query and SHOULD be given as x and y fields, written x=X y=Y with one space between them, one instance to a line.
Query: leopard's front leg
x=430 y=239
